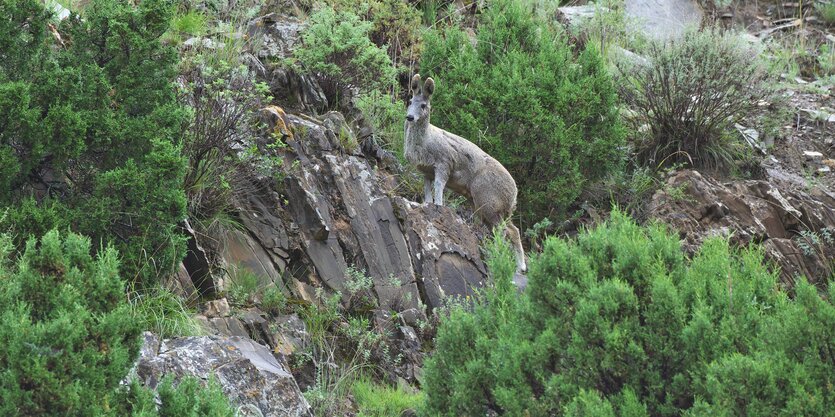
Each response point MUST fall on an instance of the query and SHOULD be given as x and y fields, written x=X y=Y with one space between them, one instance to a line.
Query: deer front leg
x=441 y=176
x=427 y=190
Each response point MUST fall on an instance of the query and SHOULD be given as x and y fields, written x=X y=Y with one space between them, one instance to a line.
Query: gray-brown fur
x=446 y=159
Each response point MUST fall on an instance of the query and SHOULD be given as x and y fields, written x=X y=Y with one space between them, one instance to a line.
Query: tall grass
x=376 y=400
x=190 y=23
x=164 y=313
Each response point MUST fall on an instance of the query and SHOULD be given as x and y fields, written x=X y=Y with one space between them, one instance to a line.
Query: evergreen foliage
x=337 y=48
x=90 y=127
x=186 y=399
x=518 y=92
x=618 y=322
x=395 y=25
x=68 y=337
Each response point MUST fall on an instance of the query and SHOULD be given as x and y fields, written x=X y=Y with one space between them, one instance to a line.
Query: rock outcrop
x=280 y=34
x=255 y=381
x=333 y=209
x=329 y=206
x=665 y=19
x=795 y=227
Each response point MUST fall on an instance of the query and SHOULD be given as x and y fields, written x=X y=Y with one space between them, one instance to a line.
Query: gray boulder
x=445 y=252
x=280 y=34
x=254 y=380
x=656 y=19
x=665 y=19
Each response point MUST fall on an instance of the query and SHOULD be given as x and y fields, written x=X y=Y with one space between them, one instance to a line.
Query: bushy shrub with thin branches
x=224 y=99
x=690 y=94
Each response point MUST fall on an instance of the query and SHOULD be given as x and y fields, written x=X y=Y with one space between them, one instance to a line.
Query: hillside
x=213 y=208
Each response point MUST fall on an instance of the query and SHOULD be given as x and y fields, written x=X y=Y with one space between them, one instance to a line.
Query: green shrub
x=190 y=23
x=89 y=129
x=691 y=95
x=188 y=398
x=395 y=25
x=337 y=48
x=243 y=285
x=521 y=95
x=619 y=322
x=826 y=10
x=589 y=403
x=273 y=301
x=68 y=335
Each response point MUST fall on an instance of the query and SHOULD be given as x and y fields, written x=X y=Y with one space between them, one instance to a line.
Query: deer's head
x=419 y=105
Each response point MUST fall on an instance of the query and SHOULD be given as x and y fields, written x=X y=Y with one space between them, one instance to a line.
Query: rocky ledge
x=795 y=226
x=333 y=209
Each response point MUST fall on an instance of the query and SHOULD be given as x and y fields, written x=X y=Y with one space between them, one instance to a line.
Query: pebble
x=812 y=155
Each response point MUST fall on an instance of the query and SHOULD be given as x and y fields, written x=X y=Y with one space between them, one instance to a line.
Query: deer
x=448 y=160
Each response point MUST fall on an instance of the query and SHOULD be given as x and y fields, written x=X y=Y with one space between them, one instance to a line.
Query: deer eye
x=423 y=106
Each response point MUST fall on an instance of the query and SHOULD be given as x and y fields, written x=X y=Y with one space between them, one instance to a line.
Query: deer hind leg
x=494 y=219
x=516 y=239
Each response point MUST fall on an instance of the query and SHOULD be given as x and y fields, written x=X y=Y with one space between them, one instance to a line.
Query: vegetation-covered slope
x=130 y=131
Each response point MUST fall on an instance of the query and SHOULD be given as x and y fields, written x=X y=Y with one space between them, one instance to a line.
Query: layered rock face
x=334 y=210
x=796 y=228
x=331 y=208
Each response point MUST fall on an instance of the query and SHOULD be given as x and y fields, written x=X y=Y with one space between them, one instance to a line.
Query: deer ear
x=429 y=87
x=415 y=84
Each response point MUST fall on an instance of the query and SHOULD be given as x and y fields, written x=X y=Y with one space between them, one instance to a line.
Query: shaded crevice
x=198 y=266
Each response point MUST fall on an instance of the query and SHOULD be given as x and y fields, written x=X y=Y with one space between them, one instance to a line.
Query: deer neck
x=416 y=132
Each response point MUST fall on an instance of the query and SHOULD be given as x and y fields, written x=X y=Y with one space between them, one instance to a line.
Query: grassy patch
x=164 y=313
x=191 y=23
x=826 y=11
x=375 y=400
x=243 y=286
